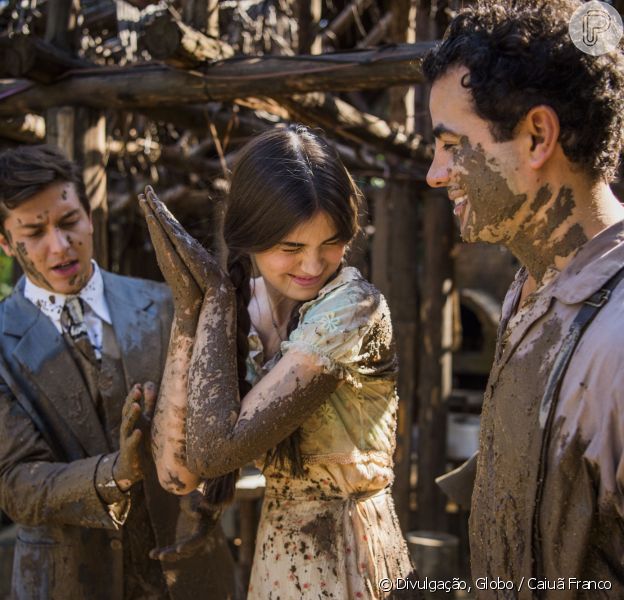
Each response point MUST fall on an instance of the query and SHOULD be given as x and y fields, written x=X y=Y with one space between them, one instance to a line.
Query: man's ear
x=4 y=244
x=541 y=126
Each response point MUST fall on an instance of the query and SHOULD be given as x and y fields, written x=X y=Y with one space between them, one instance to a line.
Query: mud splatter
x=323 y=531
x=492 y=202
x=537 y=231
x=80 y=280
x=504 y=494
x=27 y=265
x=174 y=482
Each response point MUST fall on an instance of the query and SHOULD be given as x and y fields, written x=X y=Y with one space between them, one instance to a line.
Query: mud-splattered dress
x=334 y=533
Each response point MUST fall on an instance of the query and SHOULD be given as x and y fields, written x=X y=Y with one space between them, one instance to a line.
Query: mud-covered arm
x=224 y=433
x=169 y=423
x=37 y=490
x=217 y=441
x=187 y=268
x=342 y=336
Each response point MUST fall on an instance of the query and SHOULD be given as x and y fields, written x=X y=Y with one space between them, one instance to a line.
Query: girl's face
x=300 y=264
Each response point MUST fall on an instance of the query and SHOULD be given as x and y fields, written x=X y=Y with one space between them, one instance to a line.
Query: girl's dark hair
x=281 y=179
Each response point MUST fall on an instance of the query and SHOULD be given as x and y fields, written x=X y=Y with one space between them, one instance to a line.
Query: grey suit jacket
x=51 y=442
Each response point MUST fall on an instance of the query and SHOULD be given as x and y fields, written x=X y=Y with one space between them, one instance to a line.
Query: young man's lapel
x=133 y=314
x=45 y=361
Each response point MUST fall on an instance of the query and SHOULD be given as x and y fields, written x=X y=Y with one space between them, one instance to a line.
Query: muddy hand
x=204 y=517
x=187 y=295
x=201 y=264
x=127 y=468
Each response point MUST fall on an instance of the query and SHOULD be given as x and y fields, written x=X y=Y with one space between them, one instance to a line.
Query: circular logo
x=596 y=28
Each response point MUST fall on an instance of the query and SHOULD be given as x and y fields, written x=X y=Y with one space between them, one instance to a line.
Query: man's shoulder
x=155 y=290
x=15 y=299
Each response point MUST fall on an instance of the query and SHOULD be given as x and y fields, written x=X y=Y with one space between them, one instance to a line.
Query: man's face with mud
x=51 y=236
x=482 y=176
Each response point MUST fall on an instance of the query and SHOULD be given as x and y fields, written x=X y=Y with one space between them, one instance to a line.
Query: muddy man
x=528 y=132
x=74 y=474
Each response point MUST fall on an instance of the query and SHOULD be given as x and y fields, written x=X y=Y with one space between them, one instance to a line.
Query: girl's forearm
x=221 y=438
x=213 y=397
x=169 y=423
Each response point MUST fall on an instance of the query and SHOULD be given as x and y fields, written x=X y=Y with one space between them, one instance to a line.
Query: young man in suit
x=529 y=133
x=78 y=349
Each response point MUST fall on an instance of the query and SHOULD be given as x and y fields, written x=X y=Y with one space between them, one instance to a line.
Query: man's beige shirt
x=582 y=514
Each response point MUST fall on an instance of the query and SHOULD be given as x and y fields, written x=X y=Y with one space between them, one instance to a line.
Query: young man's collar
x=51 y=303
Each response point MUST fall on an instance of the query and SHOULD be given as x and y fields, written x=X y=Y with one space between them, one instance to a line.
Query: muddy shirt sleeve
x=34 y=488
x=336 y=328
x=117 y=502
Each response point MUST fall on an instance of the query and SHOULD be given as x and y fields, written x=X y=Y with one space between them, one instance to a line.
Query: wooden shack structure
x=164 y=92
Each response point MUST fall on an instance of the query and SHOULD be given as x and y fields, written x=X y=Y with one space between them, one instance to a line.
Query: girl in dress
x=295 y=367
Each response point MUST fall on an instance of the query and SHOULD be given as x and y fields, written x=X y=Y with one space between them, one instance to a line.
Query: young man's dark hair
x=520 y=54
x=27 y=170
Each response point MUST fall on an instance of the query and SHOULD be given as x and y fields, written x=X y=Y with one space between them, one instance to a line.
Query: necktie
x=73 y=322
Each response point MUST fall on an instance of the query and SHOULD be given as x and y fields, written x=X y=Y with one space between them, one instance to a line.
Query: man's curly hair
x=520 y=55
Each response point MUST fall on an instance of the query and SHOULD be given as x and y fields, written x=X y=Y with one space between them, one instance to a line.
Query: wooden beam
x=29 y=129
x=199 y=117
x=154 y=86
x=170 y=40
x=377 y=33
x=99 y=17
x=342 y=21
x=27 y=56
x=342 y=119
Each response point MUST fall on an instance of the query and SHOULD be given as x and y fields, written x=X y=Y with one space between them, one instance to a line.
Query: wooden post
x=436 y=327
x=59 y=128
x=308 y=19
x=203 y=15
x=90 y=153
x=395 y=272
x=435 y=358
x=60 y=23
x=80 y=133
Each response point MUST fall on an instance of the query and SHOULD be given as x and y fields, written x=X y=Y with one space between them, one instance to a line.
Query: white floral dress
x=334 y=533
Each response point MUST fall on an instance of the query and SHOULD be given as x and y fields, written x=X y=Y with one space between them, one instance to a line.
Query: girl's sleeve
x=335 y=327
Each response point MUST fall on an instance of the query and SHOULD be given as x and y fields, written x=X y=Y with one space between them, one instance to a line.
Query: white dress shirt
x=95 y=306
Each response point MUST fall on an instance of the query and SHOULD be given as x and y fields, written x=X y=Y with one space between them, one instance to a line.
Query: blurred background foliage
x=6 y=272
